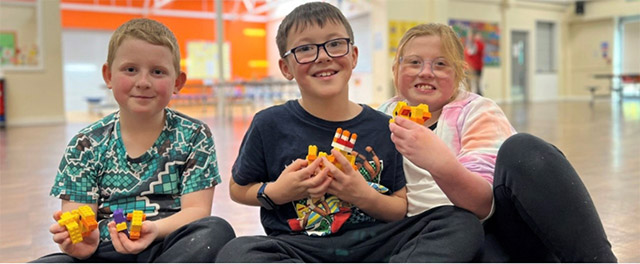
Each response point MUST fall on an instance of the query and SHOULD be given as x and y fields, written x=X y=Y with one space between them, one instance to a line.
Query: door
x=519 y=62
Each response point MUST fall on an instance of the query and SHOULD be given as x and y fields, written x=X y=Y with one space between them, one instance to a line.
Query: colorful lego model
x=120 y=220
x=136 y=219
x=87 y=219
x=343 y=140
x=323 y=216
x=418 y=114
x=79 y=223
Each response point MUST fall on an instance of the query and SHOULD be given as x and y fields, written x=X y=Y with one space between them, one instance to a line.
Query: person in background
x=532 y=202
x=473 y=54
x=143 y=157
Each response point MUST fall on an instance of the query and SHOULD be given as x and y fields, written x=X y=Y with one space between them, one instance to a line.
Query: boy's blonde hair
x=314 y=13
x=148 y=30
x=451 y=46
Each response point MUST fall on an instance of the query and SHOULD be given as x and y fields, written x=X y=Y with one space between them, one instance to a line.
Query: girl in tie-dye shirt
x=536 y=209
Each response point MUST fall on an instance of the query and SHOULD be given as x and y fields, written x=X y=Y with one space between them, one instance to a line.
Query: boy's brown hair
x=314 y=13
x=148 y=30
x=451 y=46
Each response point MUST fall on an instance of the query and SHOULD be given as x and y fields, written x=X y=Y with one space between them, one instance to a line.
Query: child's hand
x=347 y=184
x=419 y=144
x=299 y=181
x=81 y=250
x=124 y=245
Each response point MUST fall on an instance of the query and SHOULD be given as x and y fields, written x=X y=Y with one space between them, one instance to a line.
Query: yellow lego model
x=88 y=220
x=79 y=223
x=343 y=141
x=136 y=219
x=418 y=114
x=70 y=221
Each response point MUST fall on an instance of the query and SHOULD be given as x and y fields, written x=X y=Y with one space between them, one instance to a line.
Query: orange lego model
x=136 y=219
x=88 y=220
x=418 y=114
x=79 y=223
x=342 y=141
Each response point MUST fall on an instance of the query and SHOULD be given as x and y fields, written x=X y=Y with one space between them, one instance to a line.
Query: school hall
x=566 y=71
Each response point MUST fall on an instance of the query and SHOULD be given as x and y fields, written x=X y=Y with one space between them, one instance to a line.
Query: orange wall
x=243 y=48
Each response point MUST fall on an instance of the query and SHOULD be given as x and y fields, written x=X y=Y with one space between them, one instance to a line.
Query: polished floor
x=601 y=140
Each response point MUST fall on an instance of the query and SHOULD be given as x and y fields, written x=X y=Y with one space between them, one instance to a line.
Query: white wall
x=631 y=48
x=360 y=85
x=585 y=57
x=36 y=97
x=84 y=53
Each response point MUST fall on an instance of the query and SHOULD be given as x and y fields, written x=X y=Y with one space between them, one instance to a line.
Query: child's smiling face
x=426 y=87
x=326 y=76
x=142 y=77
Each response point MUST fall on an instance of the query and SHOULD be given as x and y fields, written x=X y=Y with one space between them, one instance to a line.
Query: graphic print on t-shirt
x=324 y=216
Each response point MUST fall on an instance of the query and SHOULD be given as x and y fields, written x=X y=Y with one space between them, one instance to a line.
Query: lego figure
x=323 y=216
x=342 y=141
x=136 y=219
x=79 y=223
x=88 y=220
x=121 y=221
x=70 y=221
x=418 y=114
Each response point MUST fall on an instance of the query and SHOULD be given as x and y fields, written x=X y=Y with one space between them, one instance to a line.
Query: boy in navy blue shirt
x=315 y=211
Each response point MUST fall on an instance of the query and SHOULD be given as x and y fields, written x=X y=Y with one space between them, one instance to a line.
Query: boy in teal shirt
x=143 y=157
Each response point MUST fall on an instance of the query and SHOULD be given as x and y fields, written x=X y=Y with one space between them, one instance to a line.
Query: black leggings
x=543 y=212
x=199 y=241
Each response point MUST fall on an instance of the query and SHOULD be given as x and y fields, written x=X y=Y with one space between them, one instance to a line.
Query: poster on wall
x=202 y=60
x=20 y=35
x=396 y=30
x=490 y=33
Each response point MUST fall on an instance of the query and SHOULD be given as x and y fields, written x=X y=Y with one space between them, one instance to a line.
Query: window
x=545 y=47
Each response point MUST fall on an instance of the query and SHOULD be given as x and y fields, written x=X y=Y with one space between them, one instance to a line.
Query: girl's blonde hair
x=451 y=46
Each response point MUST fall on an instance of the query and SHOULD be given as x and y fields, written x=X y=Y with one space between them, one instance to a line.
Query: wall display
x=202 y=60
x=20 y=35
x=396 y=30
x=490 y=36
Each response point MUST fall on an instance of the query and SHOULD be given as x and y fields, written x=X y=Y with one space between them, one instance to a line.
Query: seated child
x=143 y=157
x=320 y=212
x=536 y=209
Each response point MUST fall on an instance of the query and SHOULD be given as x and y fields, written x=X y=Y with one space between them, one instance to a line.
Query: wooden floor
x=602 y=141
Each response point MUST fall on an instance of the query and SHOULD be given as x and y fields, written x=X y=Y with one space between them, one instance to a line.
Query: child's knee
x=215 y=228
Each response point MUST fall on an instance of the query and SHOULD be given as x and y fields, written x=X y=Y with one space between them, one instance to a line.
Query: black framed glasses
x=414 y=65
x=308 y=53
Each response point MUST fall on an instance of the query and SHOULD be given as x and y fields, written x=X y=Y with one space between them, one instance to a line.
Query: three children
x=151 y=158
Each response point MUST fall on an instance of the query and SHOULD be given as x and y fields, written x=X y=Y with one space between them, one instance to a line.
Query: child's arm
x=81 y=250
x=194 y=206
x=350 y=186
x=297 y=181
x=425 y=149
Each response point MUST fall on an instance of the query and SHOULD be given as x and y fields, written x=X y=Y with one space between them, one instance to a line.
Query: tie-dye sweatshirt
x=474 y=128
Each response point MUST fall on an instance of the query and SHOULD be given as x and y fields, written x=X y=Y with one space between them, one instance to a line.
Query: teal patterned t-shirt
x=96 y=168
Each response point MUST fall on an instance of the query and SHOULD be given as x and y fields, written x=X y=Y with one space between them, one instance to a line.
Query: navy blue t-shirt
x=281 y=134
